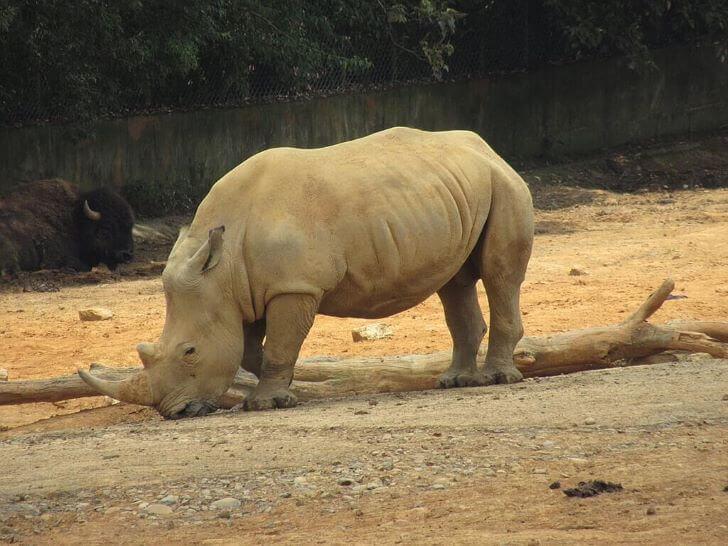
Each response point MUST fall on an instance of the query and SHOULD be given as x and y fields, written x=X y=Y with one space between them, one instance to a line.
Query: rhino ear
x=209 y=254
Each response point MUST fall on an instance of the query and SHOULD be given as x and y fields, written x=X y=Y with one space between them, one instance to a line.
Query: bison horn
x=90 y=213
x=134 y=390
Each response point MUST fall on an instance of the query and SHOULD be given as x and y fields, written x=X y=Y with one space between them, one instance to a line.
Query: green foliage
x=423 y=29
x=86 y=58
x=632 y=27
x=63 y=60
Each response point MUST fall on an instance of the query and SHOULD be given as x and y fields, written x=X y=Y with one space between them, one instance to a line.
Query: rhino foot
x=454 y=378
x=270 y=400
x=502 y=375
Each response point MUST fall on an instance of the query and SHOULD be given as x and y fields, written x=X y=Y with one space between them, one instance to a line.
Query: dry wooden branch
x=717 y=330
x=628 y=343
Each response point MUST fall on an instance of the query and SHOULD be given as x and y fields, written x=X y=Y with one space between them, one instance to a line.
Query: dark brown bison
x=50 y=224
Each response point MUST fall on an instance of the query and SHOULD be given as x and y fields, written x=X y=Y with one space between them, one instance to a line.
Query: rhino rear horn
x=90 y=213
x=134 y=390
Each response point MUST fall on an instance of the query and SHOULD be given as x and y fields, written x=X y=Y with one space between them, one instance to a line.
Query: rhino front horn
x=90 y=213
x=134 y=390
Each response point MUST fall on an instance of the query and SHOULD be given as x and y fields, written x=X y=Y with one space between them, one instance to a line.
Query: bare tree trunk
x=631 y=342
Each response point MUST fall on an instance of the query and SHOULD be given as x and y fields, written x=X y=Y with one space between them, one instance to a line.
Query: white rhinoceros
x=365 y=228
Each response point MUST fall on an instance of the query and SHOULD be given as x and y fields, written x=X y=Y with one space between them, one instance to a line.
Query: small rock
x=579 y=460
x=651 y=511
x=95 y=313
x=228 y=503
x=725 y=396
x=28 y=508
x=372 y=332
x=438 y=486
x=346 y=481
x=361 y=412
x=555 y=485
x=577 y=272
x=590 y=421
x=158 y=509
x=170 y=500
x=4 y=375
x=300 y=481
x=376 y=484
x=539 y=471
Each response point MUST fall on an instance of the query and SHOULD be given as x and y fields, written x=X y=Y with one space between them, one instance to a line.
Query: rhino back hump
x=368 y=223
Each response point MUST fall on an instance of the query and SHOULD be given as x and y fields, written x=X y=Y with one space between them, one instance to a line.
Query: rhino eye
x=189 y=351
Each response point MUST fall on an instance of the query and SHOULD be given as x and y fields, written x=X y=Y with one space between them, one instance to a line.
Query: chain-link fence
x=79 y=61
x=81 y=74
x=384 y=69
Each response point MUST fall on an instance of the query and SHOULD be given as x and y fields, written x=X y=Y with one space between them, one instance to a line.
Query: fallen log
x=630 y=342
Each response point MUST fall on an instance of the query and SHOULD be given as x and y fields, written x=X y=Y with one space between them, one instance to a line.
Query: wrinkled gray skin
x=366 y=228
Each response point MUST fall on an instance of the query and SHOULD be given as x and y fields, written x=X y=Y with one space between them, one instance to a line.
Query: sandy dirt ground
x=466 y=466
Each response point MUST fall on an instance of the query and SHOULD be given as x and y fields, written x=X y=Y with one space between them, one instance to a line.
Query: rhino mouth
x=196 y=408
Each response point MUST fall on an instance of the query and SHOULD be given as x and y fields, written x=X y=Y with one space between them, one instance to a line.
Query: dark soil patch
x=592 y=488
x=53 y=280
x=679 y=164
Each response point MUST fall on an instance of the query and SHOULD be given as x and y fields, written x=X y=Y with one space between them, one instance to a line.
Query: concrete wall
x=170 y=160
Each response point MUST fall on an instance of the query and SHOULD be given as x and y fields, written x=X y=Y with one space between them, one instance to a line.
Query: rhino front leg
x=289 y=318
x=253 y=334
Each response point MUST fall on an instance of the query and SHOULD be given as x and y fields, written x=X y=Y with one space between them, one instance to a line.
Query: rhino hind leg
x=464 y=319
x=504 y=256
x=288 y=319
